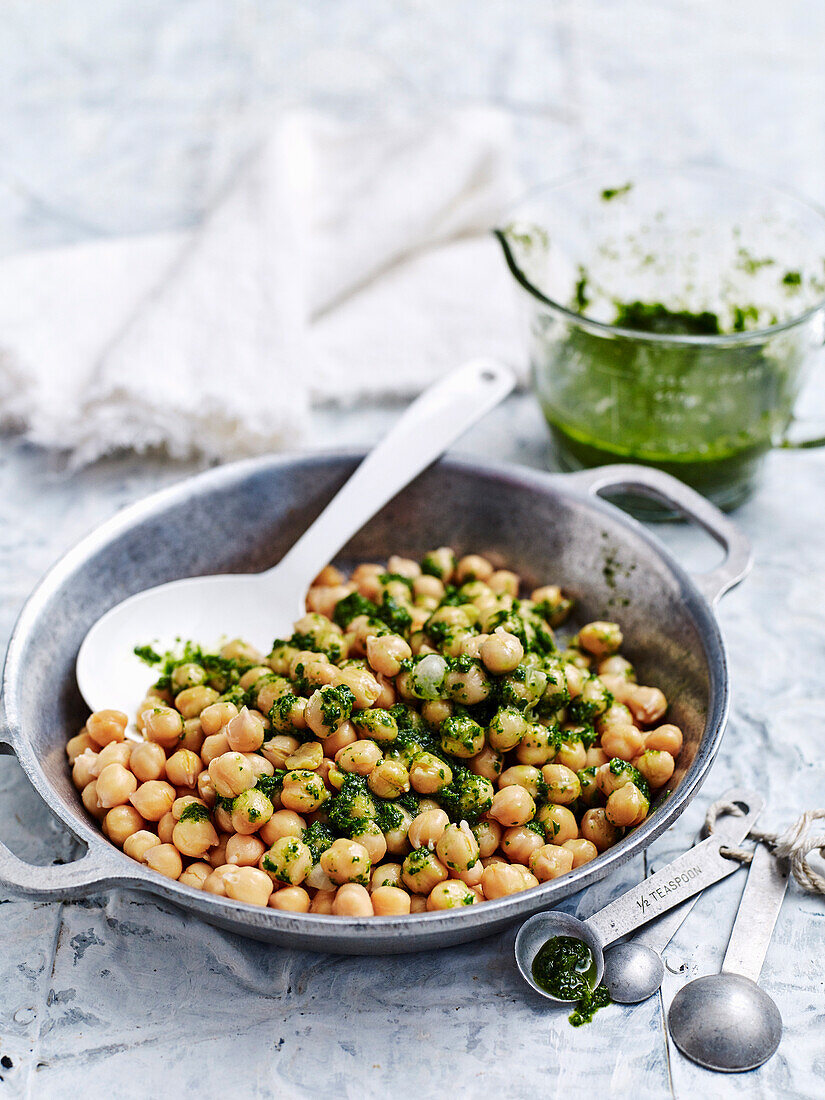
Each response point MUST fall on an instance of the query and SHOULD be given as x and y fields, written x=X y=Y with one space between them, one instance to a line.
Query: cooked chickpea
x=85 y=768
x=183 y=768
x=646 y=704
x=191 y=701
x=559 y=823
x=626 y=806
x=396 y=838
x=153 y=799
x=487 y=763
x=500 y=879
x=572 y=754
x=303 y=791
x=361 y=683
x=239 y=650
x=550 y=861
x=250 y=810
x=512 y=806
x=523 y=775
x=323 y=902
x=107 y=725
x=120 y=823
x=215 y=745
x=389 y=779
x=247 y=884
x=537 y=747
x=427 y=828
x=214 y=883
x=245 y=732
x=488 y=834
x=165 y=859
x=457 y=848
x=595 y=827
x=472 y=567
x=429 y=774
x=386 y=874
x=278 y=749
x=244 y=850
x=468 y=686
x=195 y=875
x=346 y=861
x=138 y=844
x=502 y=651
x=385 y=652
x=77 y=745
x=116 y=752
x=359 y=758
x=656 y=766
x=166 y=826
x=519 y=843
x=563 y=785
x=163 y=725
x=289 y=860
x=352 y=900
x=232 y=774
x=390 y=901
x=626 y=742
x=600 y=638
x=290 y=899
x=114 y=786
x=422 y=870
x=282 y=823
x=450 y=895
x=506 y=729
x=583 y=850
x=665 y=739
x=194 y=834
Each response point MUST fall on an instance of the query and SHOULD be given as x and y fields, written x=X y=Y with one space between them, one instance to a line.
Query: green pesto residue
x=657 y=318
x=565 y=968
x=589 y=1005
x=611 y=193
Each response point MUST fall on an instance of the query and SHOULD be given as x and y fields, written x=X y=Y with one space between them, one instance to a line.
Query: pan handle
x=660 y=486
x=94 y=871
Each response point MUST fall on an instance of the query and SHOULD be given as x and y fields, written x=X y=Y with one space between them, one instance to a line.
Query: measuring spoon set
x=722 y=1021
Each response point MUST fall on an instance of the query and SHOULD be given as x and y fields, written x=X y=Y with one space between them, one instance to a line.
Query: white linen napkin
x=344 y=263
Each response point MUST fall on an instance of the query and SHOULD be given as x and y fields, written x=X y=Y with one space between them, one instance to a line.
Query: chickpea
x=647 y=704
x=165 y=859
x=457 y=848
x=665 y=739
x=214 y=883
x=583 y=850
x=563 y=785
x=488 y=834
x=370 y=836
x=500 y=879
x=278 y=749
x=346 y=861
x=303 y=791
x=217 y=856
x=250 y=810
x=386 y=874
x=120 y=823
x=551 y=861
x=436 y=711
x=427 y=587
x=396 y=838
x=596 y=757
x=625 y=743
x=389 y=779
x=136 y=845
x=422 y=870
x=282 y=823
x=656 y=766
x=504 y=581
x=107 y=725
x=359 y=758
x=232 y=774
x=439 y=563
x=194 y=834
x=572 y=754
x=77 y=745
x=196 y=875
x=537 y=747
x=501 y=652
x=193 y=735
x=352 y=900
x=191 y=701
x=216 y=716
x=328 y=708
x=390 y=901
x=206 y=789
x=512 y=806
x=85 y=769
x=153 y=799
x=522 y=775
x=626 y=806
x=418 y=903
x=426 y=829
x=290 y=899
x=600 y=638
x=519 y=843
x=245 y=732
x=163 y=725
x=487 y=763
x=323 y=902
x=166 y=826
x=307 y=757
x=617 y=716
x=611 y=776
x=241 y=651
x=385 y=653
x=450 y=895
x=323 y=598
x=595 y=695
x=574 y=679
x=116 y=752
x=472 y=567
x=595 y=827
x=214 y=746
x=114 y=786
x=429 y=774
x=559 y=823
x=289 y=860
x=343 y=736
x=377 y=724
x=361 y=683
x=247 y=884
x=506 y=729
x=183 y=768
x=469 y=686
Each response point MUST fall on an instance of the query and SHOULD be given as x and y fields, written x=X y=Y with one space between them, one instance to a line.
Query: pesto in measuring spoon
x=565 y=968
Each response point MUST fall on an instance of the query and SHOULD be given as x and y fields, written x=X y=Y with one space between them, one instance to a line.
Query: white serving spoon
x=261 y=606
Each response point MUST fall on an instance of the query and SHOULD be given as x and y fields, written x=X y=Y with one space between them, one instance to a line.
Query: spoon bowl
x=725 y=1022
x=536 y=931
x=632 y=972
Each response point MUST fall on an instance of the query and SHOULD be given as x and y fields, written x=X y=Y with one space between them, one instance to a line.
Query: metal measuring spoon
x=687 y=875
x=725 y=1021
x=633 y=971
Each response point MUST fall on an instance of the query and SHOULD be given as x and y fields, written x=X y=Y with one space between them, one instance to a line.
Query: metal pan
x=244 y=516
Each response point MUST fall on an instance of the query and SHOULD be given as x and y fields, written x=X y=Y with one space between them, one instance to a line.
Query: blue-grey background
x=123 y=117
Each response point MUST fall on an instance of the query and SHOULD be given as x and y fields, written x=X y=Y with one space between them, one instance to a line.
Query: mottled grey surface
x=129 y=117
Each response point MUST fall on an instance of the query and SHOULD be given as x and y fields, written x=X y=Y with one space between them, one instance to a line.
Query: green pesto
x=430 y=566
x=352 y=805
x=317 y=837
x=271 y=785
x=589 y=1005
x=624 y=767
x=194 y=811
x=565 y=968
x=610 y=193
x=388 y=578
x=350 y=607
x=336 y=705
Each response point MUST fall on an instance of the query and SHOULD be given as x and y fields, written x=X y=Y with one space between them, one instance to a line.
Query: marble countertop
x=128 y=118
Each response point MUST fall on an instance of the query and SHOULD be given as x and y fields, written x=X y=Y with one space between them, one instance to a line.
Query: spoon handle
x=758 y=911
x=687 y=875
x=423 y=432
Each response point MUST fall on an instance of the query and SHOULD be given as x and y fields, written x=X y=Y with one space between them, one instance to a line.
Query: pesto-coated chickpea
x=563 y=785
x=191 y=701
x=303 y=791
x=244 y=851
x=617 y=716
x=595 y=827
x=346 y=861
x=468 y=686
x=602 y=639
x=282 y=823
x=138 y=844
x=519 y=843
x=120 y=823
x=512 y=806
x=522 y=775
x=163 y=725
x=506 y=729
x=457 y=847
x=656 y=766
x=370 y=836
x=428 y=587
x=472 y=567
x=195 y=875
x=616 y=665
x=488 y=835
x=386 y=874
x=559 y=823
x=114 y=786
x=439 y=563
x=289 y=861
x=583 y=850
x=429 y=774
x=396 y=837
x=253 y=675
x=359 y=758
x=450 y=895
x=288 y=713
x=487 y=763
x=270 y=691
x=107 y=725
x=278 y=749
x=165 y=859
x=153 y=799
x=422 y=870
x=239 y=650
x=352 y=900
x=504 y=581
x=232 y=774
x=550 y=861
x=377 y=724
x=78 y=744
x=627 y=806
x=250 y=810
x=385 y=653
x=245 y=732
x=646 y=704
x=537 y=747
x=574 y=678
x=183 y=768
x=613 y=775
x=595 y=695
x=389 y=779
x=665 y=739
x=572 y=754
x=390 y=901
x=307 y=757
x=182 y=801
x=194 y=834
x=361 y=683
x=247 y=884
x=328 y=708
x=501 y=652
x=86 y=769
x=500 y=879
x=290 y=899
